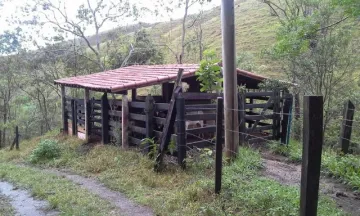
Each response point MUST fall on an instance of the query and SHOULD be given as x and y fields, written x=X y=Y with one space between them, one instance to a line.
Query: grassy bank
x=61 y=194
x=176 y=192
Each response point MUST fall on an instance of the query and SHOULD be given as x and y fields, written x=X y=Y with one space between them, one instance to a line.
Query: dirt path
x=23 y=203
x=126 y=206
x=290 y=174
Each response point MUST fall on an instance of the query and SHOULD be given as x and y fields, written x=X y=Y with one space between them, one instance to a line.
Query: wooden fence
x=260 y=117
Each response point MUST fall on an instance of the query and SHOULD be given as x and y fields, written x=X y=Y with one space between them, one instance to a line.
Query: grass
x=5 y=207
x=61 y=194
x=176 y=192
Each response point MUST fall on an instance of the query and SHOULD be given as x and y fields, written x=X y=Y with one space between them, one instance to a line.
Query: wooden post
x=74 y=117
x=251 y=102
x=180 y=131
x=133 y=94
x=311 y=159
x=167 y=89
x=17 y=137
x=346 y=127
x=242 y=126
x=286 y=116
x=230 y=78
x=87 y=114
x=125 y=122
x=63 y=109
x=149 y=112
x=275 y=115
x=297 y=135
x=105 y=119
x=219 y=139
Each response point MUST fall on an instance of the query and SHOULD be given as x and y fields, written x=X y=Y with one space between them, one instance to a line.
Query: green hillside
x=255 y=31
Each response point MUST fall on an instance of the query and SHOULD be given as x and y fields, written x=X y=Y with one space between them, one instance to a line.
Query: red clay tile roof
x=136 y=77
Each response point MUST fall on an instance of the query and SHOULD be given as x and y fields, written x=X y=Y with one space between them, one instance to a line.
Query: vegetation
x=209 y=73
x=46 y=150
x=174 y=191
x=5 y=207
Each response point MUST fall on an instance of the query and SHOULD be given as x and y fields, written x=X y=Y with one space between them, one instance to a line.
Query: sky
x=11 y=7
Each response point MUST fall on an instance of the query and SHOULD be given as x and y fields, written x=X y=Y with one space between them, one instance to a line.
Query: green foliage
x=293 y=151
x=273 y=84
x=150 y=143
x=344 y=167
x=209 y=73
x=245 y=61
x=201 y=158
x=118 y=134
x=46 y=150
x=351 y=7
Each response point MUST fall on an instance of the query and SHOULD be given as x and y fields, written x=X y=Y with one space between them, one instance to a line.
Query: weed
x=46 y=150
x=293 y=150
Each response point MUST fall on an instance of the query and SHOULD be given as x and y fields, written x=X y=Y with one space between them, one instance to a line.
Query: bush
x=46 y=150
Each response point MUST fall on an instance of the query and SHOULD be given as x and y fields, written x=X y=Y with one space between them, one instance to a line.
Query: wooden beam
x=74 y=117
x=167 y=90
x=87 y=114
x=287 y=112
x=170 y=120
x=242 y=128
x=64 y=111
x=180 y=131
x=219 y=130
x=133 y=94
x=311 y=158
x=149 y=118
x=105 y=119
x=125 y=122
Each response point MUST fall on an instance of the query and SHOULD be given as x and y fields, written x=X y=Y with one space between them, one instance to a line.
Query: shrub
x=46 y=150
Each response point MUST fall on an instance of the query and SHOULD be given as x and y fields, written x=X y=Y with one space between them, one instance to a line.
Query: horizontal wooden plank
x=96 y=108
x=114 y=123
x=208 y=129
x=258 y=117
x=204 y=116
x=161 y=106
x=95 y=128
x=134 y=141
x=252 y=94
x=254 y=106
x=96 y=102
x=137 y=129
x=199 y=107
x=258 y=97
x=96 y=114
x=200 y=96
x=260 y=128
x=138 y=117
x=159 y=120
x=80 y=121
x=95 y=120
x=115 y=113
x=137 y=104
x=259 y=139
x=260 y=123
x=115 y=102
x=157 y=134
x=200 y=143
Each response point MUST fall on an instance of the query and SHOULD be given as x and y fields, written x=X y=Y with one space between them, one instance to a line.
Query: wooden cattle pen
x=187 y=118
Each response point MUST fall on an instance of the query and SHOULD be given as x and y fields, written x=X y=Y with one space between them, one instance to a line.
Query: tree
x=315 y=47
x=91 y=17
x=209 y=73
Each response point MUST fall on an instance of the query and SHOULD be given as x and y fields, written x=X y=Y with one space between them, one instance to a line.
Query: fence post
x=297 y=135
x=287 y=111
x=346 y=127
x=219 y=139
x=311 y=158
x=242 y=127
x=87 y=114
x=149 y=111
x=73 y=117
x=105 y=119
x=64 y=111
x=125 y=122
x=17 y=137
x=180 y=130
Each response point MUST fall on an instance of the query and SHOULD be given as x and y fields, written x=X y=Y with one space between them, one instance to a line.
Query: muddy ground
x=276 y=168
